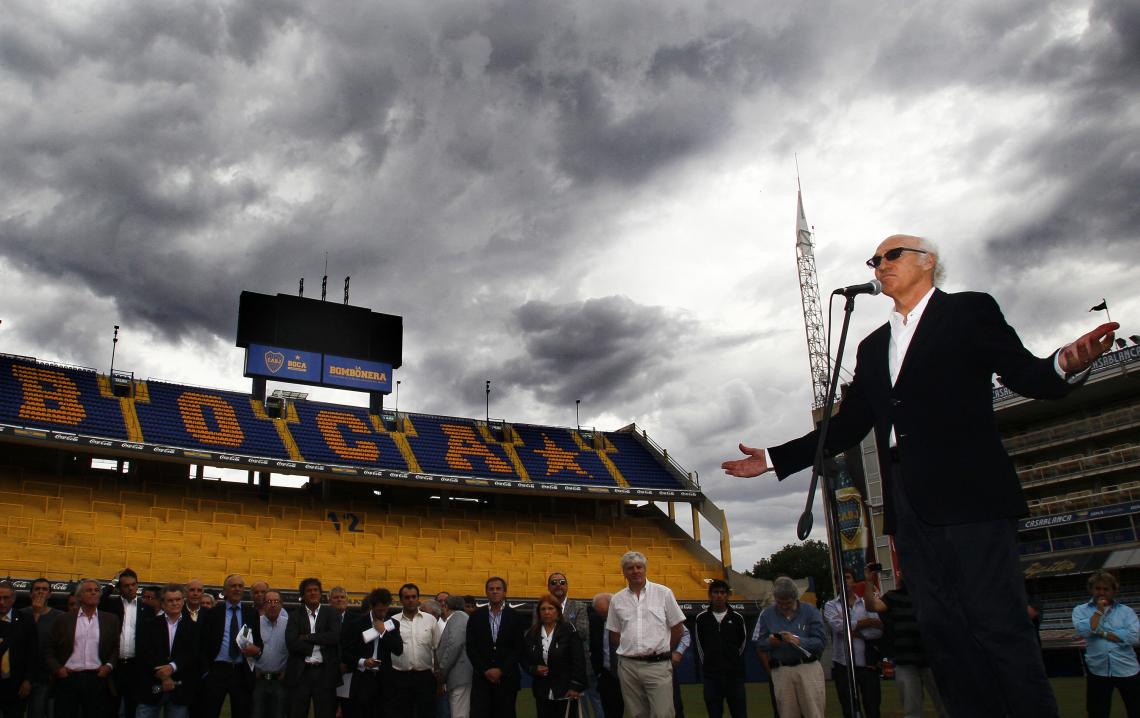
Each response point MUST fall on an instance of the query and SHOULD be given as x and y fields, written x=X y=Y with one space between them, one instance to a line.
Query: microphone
x=872 y=287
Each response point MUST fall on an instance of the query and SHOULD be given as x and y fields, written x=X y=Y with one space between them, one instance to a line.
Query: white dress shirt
x=420 y=635
x=644 y=621
x=833 y=614
x=316 y=658
x=127 y=634
x=85 y=652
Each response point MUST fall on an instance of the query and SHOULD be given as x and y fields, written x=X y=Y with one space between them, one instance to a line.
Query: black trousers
x=123 y=679
x=720 y=689
x=368 y=698
x=609 y=688
x=492 y=700
x=1098 y=695
x=310 y=687
x=867 y=684
x=83 y=693
x=226 y=679
x=414 y=692
x=969 y=599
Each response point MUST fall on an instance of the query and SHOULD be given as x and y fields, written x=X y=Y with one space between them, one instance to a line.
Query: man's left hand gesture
x=1077 y=356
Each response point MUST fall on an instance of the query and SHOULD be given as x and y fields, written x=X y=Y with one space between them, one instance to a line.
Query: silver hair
x=83 y=582
x=633 y=557
x=431 y=606
x=338 y=589
x=784 y=588
x=935 y=256
x=455 y=603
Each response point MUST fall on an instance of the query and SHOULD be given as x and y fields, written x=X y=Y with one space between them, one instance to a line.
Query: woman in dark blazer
x=553 y=655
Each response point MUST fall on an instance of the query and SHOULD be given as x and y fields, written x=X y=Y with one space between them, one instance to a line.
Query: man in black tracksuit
x=721 y=637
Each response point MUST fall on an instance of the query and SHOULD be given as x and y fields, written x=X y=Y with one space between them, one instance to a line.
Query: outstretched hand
x=754 y=465
x=1080 y=354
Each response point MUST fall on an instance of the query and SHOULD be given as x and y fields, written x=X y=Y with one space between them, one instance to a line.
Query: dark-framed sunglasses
x=891 y=254
x=556 y=582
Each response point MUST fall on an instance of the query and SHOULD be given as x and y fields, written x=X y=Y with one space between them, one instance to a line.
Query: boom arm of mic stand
x=803 y=529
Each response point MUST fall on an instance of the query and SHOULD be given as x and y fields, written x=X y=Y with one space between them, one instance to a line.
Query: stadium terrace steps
x=176 y=530
x=44 y=396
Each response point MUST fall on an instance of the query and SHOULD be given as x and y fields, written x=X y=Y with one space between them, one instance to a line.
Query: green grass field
x=1070 y=694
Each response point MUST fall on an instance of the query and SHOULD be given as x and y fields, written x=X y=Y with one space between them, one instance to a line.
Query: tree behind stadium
x=810 y=559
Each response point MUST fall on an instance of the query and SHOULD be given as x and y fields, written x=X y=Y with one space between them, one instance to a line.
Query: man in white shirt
x=82 y=655
x=413 y=677
x=950 y=492
x=645 y=623
x=269 y=694
x=126 y=606
x=865 y=626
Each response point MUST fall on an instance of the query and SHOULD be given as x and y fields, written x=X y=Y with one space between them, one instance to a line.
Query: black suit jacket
x=353 y=647
x=211 y=625
x=152 y=641
x=954 y=469
x=17 y=641
x=503 y=653
x=597 y=636
x=63 y=640
x=326 y=635
x=566 y=660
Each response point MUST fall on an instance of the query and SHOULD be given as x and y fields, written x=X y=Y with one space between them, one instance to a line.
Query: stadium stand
x=94 y=525
x=62 y=518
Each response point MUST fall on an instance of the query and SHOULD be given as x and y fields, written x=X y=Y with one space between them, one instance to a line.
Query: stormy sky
x=576 y=200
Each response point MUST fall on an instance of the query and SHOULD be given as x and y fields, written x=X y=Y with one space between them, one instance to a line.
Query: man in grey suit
x=451 y=657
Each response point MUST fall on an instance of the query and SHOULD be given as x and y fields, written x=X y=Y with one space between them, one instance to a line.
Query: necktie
x=5 y=661
x=234 y=650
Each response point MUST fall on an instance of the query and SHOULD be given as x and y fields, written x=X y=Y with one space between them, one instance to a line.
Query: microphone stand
x=830 y=510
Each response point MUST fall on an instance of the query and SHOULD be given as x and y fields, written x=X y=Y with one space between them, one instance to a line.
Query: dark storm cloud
x=1088 y=156
x=607 y=350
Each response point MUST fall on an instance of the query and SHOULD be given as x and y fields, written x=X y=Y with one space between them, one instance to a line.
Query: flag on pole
x=1102 y=307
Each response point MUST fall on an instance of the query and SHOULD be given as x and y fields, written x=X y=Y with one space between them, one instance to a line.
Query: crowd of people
x=127 y=650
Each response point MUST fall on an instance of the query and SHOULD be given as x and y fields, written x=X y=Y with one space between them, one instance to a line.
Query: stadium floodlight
x=577 y=421
x=488 y=401
x=397 y=397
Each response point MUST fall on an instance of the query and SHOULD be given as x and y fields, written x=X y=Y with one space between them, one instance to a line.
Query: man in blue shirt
x=793 y=636
x=1110 y=629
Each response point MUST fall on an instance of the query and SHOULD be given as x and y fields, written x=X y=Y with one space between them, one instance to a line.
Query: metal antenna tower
x=809 y=297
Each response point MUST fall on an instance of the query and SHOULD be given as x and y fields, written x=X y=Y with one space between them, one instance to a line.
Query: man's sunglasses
x=556 y=582
x=891 y=254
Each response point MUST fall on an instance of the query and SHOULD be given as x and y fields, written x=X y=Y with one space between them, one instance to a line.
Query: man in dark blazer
x=313 y=639
x=603 y=662
x=367 y=646
x=120 y=597
x=494 y=646
x=16 y=643
x=166 y=671
x=950 y=492
x=221 y=632
x=82 y=654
